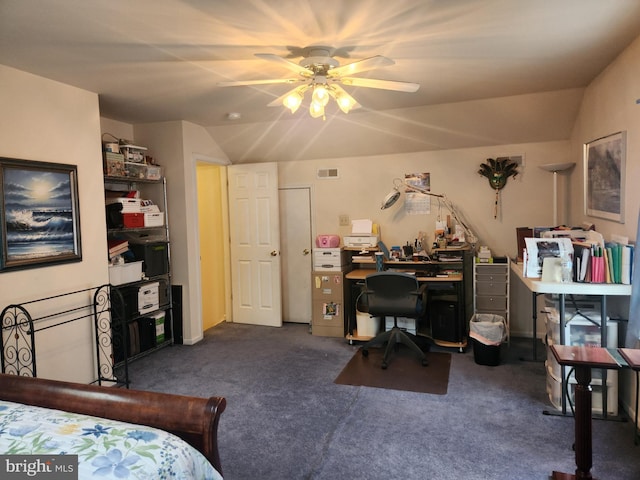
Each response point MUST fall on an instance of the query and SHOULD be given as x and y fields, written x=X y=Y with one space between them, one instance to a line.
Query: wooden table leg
x=583 y=446
x=583 y=432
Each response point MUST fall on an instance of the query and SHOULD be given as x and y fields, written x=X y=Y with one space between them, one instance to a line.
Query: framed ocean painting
x=39 y=214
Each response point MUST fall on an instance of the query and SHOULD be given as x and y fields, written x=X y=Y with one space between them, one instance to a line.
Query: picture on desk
x=539 y=249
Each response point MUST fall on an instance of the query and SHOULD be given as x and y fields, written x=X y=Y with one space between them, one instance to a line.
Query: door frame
x=195 y=159
x=309 y=188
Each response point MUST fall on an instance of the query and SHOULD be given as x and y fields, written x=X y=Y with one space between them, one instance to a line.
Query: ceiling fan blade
x=361 y=66
x=294 y=67
x=237 y=83
x=382 y=84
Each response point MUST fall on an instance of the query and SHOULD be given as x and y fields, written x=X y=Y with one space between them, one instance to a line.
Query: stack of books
x=117 y=247
x=611 y=263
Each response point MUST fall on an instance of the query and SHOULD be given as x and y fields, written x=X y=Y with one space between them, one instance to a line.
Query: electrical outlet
x=344 y=220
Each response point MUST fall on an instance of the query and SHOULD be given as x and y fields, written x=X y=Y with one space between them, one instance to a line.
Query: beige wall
x=610 y=106
x=178 y=146
x=49 y=121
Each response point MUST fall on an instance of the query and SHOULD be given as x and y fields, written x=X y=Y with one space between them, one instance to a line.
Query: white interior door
x=255 y=244
x=295 y=237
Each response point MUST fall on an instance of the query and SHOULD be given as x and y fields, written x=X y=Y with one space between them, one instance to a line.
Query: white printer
x=364 y=233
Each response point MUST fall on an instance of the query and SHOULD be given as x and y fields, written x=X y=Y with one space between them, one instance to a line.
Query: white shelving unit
x=491 y=289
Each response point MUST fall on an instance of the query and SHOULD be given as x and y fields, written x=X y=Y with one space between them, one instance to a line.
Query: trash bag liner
x=487 y=328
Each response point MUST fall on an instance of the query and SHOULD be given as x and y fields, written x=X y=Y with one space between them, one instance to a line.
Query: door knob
x=274 y=253
x=305 y=251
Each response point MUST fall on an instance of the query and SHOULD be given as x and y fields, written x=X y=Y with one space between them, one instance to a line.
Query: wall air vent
x=327 y=173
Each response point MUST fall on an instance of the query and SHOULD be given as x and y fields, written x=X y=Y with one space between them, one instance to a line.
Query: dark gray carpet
x=287 y=419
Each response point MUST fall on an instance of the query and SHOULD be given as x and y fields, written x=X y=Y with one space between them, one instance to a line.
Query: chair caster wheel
x=384 y=365
x=365 y=353
x=425 y=363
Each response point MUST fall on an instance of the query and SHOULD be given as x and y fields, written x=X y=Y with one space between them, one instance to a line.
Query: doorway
x=211 y=222
x=295 y=240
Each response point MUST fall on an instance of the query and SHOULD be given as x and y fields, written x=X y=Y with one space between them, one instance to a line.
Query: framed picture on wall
x=39 y=214
x=604 y=176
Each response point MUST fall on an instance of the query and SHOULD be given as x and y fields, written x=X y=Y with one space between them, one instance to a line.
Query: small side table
x=632 y=357
x=583 y=359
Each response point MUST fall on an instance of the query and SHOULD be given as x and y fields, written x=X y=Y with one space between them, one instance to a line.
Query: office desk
x=602 y=290
x=456 y=280
x=583 y=359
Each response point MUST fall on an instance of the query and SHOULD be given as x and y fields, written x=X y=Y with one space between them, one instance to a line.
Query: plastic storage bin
x=126 y=273
x=367 y=325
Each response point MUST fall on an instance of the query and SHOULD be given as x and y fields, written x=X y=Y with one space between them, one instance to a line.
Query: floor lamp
x=555 y=168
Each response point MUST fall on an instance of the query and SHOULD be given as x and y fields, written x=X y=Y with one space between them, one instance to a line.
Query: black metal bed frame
x=19 y=328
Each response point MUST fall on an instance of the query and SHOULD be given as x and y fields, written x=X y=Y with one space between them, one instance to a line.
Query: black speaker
x=443 y=315
x=176 y=313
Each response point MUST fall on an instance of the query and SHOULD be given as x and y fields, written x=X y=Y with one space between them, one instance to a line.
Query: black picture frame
x=604 y=177
x=39 y=214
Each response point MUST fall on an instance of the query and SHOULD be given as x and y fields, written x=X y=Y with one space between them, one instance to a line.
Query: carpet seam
x=331 y=434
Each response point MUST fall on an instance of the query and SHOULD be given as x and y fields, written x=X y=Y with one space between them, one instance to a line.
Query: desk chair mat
x=404 y=372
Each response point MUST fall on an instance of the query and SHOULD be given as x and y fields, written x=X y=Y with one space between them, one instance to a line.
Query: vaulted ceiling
x=490 y=71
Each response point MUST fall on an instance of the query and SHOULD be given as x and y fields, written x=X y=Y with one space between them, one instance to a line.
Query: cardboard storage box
x=148 y=297
x=329 y=259
x=126 y=273
x=133 y=220
x=154 y=219
x=114 y=164
x=159 y=322
x=129 y=205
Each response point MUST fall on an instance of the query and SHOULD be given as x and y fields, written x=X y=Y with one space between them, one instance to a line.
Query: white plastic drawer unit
x=491 y=303
x=489 y=286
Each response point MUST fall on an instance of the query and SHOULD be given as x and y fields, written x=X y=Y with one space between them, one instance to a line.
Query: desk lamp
x=555 y=168
x=394 y=195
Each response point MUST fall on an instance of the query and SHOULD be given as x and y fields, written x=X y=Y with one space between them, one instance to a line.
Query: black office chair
x=394 y=294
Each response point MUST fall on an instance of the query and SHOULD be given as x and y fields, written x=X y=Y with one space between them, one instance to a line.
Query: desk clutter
x=340 y=266
x=575 y=255
x=122 y=159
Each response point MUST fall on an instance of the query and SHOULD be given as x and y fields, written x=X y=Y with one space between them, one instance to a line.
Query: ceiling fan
x=321 y=73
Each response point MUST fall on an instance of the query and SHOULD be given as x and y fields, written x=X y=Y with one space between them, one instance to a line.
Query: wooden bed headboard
x=193 y=419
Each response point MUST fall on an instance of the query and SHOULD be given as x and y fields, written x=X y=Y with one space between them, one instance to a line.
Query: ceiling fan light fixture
x=293 y=101
x=345 y=102
x=320 y=94
x=316 y=110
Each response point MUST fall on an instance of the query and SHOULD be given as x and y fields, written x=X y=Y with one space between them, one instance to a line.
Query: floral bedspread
x=105 y=448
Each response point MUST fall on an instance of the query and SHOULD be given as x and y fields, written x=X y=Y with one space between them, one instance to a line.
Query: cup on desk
x=379 y=261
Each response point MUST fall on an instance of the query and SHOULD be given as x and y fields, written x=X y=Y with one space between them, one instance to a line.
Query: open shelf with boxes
x=139 y=270
x=582 y=326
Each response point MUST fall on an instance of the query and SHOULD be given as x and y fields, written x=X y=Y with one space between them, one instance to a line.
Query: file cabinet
x=328 y=303
x=491 y=289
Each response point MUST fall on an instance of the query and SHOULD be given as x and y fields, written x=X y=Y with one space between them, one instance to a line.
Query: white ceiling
x=160 y=60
